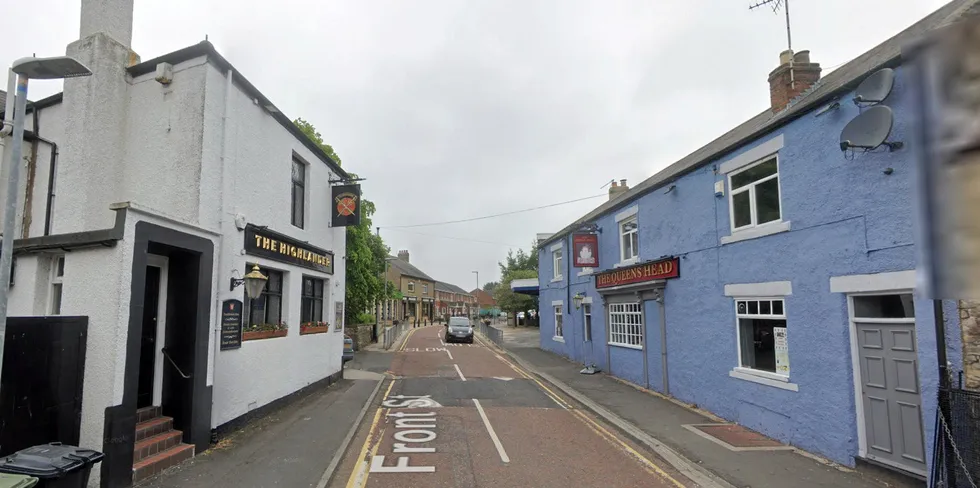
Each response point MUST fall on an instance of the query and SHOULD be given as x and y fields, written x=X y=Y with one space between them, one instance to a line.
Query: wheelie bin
x=54 y=465
x=16 y=481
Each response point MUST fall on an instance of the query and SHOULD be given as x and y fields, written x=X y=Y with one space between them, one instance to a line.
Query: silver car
x=459 y=329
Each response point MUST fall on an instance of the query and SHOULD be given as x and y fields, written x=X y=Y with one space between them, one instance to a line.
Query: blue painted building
x=768 y=278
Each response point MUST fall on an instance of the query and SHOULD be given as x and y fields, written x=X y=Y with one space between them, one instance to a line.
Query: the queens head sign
x=656 y=270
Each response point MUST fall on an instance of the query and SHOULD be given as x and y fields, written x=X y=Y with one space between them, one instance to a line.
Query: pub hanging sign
x=279 y=247
x=652 y=271
x=586 y=250
x=346 y=206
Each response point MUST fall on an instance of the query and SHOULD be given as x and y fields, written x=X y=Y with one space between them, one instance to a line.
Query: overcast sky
x=454 y=109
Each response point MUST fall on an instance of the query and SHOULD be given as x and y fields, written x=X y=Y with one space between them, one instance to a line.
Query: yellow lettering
x=284 y=249
x=669 y=267
x=274 y=243
x=258 y=241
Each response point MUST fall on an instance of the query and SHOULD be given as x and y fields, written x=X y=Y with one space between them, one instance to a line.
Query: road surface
x=461 y=415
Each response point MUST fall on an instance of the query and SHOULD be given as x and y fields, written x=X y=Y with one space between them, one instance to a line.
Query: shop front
x=636 y=328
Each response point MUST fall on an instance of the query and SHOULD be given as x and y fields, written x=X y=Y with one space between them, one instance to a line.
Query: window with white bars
x=626 y=324
x=559 y=332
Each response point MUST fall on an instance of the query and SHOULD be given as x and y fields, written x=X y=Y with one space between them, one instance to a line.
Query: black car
x=459 y=329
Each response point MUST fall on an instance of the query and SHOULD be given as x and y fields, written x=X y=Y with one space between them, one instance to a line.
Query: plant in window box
x=264 y=331
x=314 y=327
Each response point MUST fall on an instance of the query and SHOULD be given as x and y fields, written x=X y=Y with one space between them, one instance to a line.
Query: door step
x=158 y=445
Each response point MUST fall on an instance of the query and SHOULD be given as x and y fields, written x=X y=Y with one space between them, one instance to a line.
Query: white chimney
x=97 y=111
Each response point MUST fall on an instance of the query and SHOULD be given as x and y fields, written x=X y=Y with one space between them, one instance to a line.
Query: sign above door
x=640 y=273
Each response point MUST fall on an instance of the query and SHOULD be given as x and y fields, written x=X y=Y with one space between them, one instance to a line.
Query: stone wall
x=360 y=334
x=970 y=324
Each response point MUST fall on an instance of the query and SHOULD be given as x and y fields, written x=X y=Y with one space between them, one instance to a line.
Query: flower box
x=313 y=329
x=263 y=334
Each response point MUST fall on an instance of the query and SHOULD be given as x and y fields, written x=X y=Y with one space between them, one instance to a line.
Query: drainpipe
x=31 y=173
x=224 y=222
x=49 y=206
x=663 y=339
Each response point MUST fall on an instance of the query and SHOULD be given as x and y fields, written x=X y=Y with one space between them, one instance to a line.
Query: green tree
x=490 y=286
x=311 y=132
x=366 y=251
x=516 y=266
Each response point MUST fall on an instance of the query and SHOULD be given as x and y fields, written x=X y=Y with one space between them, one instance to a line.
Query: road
x=462 y=415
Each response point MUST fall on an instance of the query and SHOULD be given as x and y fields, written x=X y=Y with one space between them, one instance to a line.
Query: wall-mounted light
x=254 y=282
x=578 y=299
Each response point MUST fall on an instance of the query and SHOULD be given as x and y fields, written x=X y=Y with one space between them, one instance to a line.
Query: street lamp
x=20 y=72
x=477 y=289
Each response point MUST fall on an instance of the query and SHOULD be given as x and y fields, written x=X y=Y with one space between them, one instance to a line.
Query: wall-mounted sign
x=781 y=346
x=231 y=324
x=586 y=250
x=346 y=205
x=657 y=270
x=279 y=247
x=338 y=315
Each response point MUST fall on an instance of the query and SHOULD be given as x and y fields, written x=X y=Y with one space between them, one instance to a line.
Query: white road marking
x=460 y=372
x=493 y=435
x=502 y=378
x=450 y=355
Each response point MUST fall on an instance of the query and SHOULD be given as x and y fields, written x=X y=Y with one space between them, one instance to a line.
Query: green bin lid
x=16 y=481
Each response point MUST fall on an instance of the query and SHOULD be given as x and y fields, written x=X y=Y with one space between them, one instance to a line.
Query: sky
x=455 y=109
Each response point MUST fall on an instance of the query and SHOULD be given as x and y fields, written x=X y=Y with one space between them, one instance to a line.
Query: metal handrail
x=181 y=373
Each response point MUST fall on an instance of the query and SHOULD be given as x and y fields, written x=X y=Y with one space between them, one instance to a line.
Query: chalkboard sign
x=231 y=324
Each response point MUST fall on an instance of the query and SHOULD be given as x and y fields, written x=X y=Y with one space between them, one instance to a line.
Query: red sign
x=657 y=270
x=585 y=249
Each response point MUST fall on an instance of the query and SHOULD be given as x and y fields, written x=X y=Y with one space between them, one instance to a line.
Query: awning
x=526 y=287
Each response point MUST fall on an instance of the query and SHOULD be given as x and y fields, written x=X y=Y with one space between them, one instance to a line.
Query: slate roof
x=407 y=269
x=443 y=286
x=841 y=80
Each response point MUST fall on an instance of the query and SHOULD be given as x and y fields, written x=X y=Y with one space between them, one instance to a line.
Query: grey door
x=890 y=388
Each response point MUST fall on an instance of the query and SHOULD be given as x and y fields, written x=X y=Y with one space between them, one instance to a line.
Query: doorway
x=888 y=395
x=150 y=387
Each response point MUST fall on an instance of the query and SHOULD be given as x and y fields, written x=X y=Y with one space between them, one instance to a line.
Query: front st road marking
x=493 y=435
x=460 y=372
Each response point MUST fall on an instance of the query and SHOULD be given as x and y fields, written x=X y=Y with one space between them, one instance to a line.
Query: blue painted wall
x=847 y=218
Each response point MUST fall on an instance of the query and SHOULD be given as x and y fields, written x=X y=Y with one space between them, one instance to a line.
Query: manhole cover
x=736 y=438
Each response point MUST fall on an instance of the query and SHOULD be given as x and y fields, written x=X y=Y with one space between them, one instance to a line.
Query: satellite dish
x=869 y=130
x=875 y=88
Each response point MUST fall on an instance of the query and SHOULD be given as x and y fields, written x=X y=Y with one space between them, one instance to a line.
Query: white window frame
x=411 y=287
x=59 y=281
x=622 y=218
x=557 y=258
x=611 y=310
x=750 y=188
x=773 y=290
x=559 y=308
x=425 y=289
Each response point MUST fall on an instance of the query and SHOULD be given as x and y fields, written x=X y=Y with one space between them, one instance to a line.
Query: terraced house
x=769 y=276
x=416 y=292
x=453 y=301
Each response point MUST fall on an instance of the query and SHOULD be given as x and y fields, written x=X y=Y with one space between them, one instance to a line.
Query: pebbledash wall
x=839 y=218
x=179 y=144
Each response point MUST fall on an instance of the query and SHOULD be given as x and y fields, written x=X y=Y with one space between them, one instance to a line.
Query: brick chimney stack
x=795 y=75
x=403 y=255
x=617 y=190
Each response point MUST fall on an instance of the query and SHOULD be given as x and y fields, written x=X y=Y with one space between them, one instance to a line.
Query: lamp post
x=477 y=289
x=22 y=70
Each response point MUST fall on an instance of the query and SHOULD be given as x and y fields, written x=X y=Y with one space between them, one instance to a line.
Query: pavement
x=465 y=415
x=658 y=422
x=296 y=446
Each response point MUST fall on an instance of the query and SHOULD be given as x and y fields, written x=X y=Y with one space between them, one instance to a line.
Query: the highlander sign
x=273 y=245
x=656 y=270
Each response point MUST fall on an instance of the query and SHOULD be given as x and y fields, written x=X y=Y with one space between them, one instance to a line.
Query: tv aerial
x=875 y=88
x=870 y=130
x=776 y=5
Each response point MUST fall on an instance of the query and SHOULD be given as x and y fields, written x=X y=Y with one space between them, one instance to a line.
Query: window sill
x=556 y=279
x=558 y=339
x=756 y=232
x=628 y=262
x=626 y=346
x=585 y=272
x=767 y=379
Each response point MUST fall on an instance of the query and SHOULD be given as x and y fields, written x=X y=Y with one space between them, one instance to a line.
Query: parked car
x=348 y=350
x=459 y=329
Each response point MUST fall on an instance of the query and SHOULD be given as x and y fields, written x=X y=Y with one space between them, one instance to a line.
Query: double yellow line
x=601 y=431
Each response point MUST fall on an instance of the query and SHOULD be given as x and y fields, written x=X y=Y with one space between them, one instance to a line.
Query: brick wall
x=970 y=324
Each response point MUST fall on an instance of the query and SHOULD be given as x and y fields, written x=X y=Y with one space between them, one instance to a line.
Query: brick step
x=153 y=427
x=147 y=413
x=156 y=444
x=157 y=463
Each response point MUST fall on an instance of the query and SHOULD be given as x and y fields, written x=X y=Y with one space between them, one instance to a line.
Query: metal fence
x=957 y=454
x=494 y=334
x=391 y=334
